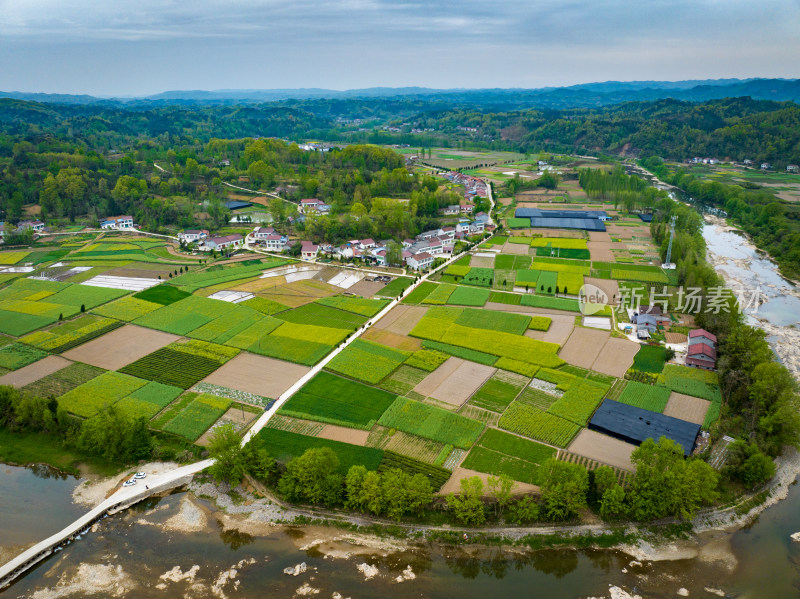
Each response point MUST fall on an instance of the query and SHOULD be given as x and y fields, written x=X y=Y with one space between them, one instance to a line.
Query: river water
x=136 y=553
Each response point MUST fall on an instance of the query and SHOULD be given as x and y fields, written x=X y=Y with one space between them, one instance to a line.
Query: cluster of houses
x=765 y=166
x=24 y=225
x=368 y=250
x=473 y=186
x=702 y=351
x=420 y=253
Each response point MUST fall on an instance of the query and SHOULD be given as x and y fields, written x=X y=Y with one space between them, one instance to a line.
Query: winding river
x=178 y=546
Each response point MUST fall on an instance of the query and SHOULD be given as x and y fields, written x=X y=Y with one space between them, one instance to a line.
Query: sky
x=141 y=47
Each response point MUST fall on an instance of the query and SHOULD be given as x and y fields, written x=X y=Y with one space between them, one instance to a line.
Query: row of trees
x=111 y=434
x=761 y=405
x=773 y=224
x=665 y=484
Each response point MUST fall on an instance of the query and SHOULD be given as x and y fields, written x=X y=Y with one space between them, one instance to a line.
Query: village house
x=192 y=235
x=792 y=168
x=420 y=261
x=453 y=210
x=120 y=223
x=765 y=166
x=36 y=225
x=313 y=205
x=222 y=243
x=308 y=250
x=702 y=352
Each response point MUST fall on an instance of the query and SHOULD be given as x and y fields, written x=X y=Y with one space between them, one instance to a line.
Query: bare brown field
x=601 y=448
x=505 y=201
x=686 y=407
x=609 y=286
x=584 y=346
x=120 y=347
x=482 y=261
x=431 y=382
x=599 y=236
x=616 y=357
x=600 y=250
x=518 y=249
x=33 y=372
x=675 y=337
x=559 y=330
x=344 y=434
x=367 y=288
x=238 y=417
x=461 y=384
x=260 y=284
x=257 y=374
x=401 y=319
x=453 y=484
x=392 y=339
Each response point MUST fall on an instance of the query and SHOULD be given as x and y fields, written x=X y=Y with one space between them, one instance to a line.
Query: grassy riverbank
x=41 y=448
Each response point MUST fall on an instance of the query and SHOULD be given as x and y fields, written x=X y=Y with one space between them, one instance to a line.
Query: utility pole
x=668 y=263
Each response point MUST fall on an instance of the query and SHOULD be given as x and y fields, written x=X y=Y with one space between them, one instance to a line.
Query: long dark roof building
x=587 y=220
x=635 y=425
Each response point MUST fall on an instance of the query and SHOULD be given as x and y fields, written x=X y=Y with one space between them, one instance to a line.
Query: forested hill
x=734 y=128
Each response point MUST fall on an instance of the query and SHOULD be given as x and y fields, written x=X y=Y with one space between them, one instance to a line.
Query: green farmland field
x=336 y=400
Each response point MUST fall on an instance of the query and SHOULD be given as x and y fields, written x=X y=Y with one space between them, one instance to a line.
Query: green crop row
x=285 y=445
x=469 y=296
x=323 y=316
x=99 y=393
x=540 y=323
x=649 y=397
x=427 y=359
x=579 y=402
x=494 y=321
x=172 y=367
x=436 y=475
x=439 y=295
x=530 y=422
x=367 y=361
x=499 y=391
x=431 y=422
x=195 y=419
x=357 y=305
x=127 y=308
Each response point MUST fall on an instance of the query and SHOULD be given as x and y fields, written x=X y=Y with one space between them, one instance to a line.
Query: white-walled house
x=192 y=235
x=223 y=242
x=420 y=261
x=119 y=223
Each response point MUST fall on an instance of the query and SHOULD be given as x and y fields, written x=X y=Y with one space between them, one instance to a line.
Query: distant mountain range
x=589 y=95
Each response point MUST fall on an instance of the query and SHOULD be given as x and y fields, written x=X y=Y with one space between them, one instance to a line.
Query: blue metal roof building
x=635 y=425
x=587 y=220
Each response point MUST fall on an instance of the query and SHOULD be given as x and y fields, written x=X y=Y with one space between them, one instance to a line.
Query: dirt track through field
x=601 y=448
x=616 y=357
x=584 y=346
x=686 y=407
x=120 y=347
x=33 y=372
x=257 y=374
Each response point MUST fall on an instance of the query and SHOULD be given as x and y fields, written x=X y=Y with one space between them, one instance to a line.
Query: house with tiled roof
x=702 y=352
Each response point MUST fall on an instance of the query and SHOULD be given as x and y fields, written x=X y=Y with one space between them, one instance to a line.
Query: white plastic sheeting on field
x=126 y=283
x=233 y=297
